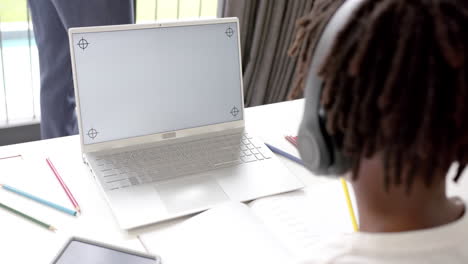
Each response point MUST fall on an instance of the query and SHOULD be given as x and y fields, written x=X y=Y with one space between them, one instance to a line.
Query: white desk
x=23 y=242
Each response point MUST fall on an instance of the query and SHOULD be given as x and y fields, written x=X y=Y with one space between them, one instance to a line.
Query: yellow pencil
x=350 y=204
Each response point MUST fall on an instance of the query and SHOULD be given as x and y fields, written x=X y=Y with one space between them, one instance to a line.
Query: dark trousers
x=51 y=20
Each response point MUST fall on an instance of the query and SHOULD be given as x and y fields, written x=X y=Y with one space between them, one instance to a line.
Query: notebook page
x=304 y=218
x=227 y=234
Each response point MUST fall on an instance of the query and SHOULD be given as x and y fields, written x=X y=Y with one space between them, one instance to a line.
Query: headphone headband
x=316 y=146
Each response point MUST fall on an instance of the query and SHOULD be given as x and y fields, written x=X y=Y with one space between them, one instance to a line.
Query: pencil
x=37 y=199
x=10 y=157
x=292 y=140
x=284 y=154
x=64 y=186
x=350 y=204
x=27 y=217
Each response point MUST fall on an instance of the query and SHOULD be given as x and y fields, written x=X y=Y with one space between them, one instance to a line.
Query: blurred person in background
x=51 y=20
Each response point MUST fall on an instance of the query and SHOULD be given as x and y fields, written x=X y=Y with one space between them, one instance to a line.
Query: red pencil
x=292 y=140
x=64 y=186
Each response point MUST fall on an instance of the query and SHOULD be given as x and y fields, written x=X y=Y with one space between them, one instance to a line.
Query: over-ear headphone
x=319 y=150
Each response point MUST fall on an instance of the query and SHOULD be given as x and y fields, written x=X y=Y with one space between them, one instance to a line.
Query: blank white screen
x=78 y=252
x=147 y=81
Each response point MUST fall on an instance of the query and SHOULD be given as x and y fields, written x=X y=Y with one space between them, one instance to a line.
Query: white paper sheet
x=302 y=219
x=229 y=234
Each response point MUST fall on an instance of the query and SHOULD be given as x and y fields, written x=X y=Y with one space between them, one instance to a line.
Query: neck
x=410 y=215
x=397 y=211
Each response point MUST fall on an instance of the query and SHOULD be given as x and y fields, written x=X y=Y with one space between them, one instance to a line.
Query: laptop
x=161 y=120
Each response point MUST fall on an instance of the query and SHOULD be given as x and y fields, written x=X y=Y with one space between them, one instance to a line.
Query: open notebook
x=277 y=229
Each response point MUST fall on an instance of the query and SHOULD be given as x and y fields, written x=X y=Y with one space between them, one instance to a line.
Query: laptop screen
x=146 y=81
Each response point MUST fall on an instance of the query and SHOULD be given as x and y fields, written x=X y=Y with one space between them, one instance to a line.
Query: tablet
x=83 y=251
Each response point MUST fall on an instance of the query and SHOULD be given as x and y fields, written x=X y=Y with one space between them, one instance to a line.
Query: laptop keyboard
x=142 y=166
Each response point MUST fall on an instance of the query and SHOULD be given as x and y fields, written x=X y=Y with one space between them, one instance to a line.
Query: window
x=19 y=63
x=150 y=10
x=19 y=66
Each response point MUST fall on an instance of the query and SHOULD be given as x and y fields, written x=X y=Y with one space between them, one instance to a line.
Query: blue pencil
x=284 y=154
x=39 y=200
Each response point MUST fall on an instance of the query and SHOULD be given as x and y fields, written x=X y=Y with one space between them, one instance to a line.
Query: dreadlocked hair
x=308 y=29
x=396 y=84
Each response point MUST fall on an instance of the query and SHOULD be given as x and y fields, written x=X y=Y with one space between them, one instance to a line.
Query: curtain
x=267 y=29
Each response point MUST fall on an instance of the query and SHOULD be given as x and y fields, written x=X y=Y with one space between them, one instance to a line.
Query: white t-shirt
x=447 y=244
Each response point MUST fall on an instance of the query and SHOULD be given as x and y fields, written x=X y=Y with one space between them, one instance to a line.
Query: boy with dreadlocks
x=396 y=91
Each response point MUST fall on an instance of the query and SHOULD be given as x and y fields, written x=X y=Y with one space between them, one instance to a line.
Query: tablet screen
x=78 y=252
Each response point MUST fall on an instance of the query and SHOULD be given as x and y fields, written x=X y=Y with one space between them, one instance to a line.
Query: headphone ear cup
x=313 y=153
x=320 y=151
x=312 y=144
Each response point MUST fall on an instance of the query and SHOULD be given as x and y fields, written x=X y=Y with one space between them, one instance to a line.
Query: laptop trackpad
x=189 y=193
